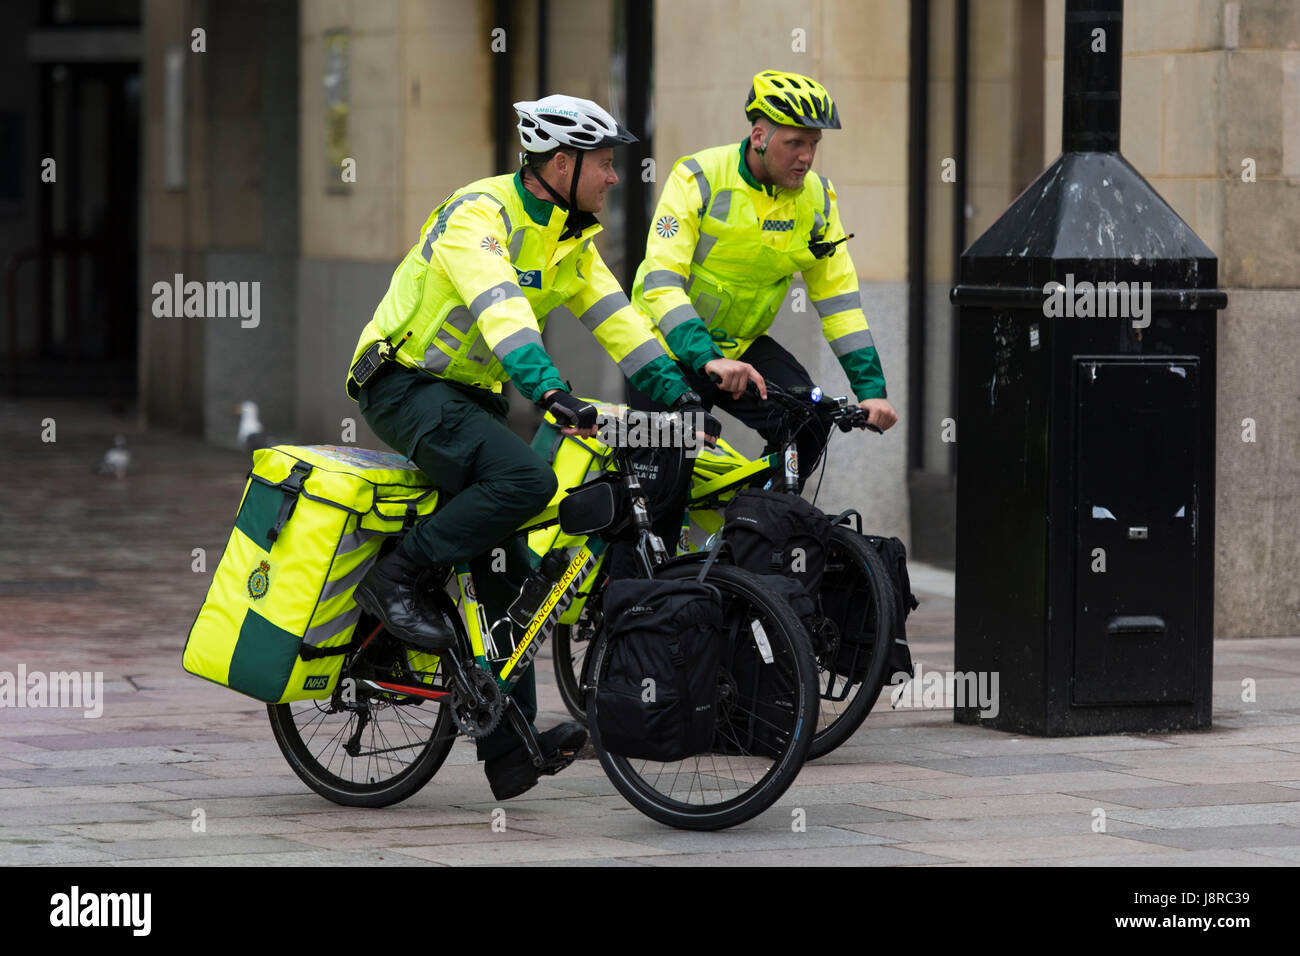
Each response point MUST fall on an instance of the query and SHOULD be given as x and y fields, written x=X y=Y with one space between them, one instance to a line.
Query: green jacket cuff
x=532 y=371
x=692 y=343
x=866 y=377
x=661 y=380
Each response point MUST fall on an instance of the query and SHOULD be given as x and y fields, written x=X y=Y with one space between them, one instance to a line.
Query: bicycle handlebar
x=799 y=397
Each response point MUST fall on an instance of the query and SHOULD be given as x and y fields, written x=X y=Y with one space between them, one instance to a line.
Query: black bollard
x=1085 y=481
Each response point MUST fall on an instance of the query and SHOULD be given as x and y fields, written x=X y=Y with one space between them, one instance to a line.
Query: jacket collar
x=548 y=215
x=747 y=176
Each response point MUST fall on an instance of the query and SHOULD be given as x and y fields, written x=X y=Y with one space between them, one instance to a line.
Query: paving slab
x=1277 y=772
x=1068 y=783
x=957 y=808
x=307 y=857
x=1246 y=837
x=1052 y=824
x=1053 y=846
x=814 y=856
x=1191 y=859
x=1209 y=795
x=1015 y=764
x=408 y=837
x=1226 y=816
x=486 y=853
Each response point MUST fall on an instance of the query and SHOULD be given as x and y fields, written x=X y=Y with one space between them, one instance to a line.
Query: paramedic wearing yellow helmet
x=733 y=225
x=464 y=314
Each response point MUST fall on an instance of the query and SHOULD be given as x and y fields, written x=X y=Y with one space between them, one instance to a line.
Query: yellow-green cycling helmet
x=791 y=99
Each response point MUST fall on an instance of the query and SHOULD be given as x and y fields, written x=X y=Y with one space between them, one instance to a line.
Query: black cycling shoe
x=513 y=773
x=388 y=592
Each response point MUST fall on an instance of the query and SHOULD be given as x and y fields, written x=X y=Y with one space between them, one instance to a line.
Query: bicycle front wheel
x=766 y=715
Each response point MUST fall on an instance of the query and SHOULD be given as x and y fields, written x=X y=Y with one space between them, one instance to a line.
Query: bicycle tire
x=285 y=727
x=869 y=606
x=568 y=660
x=742 y=594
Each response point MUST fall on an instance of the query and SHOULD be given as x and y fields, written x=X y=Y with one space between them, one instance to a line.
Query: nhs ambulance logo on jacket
x=530 y=278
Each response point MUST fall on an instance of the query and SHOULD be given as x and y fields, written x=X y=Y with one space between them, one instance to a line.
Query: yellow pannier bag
x=574 y=460
x=279 y=614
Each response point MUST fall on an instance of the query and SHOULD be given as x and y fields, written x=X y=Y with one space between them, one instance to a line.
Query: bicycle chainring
x=480 y=716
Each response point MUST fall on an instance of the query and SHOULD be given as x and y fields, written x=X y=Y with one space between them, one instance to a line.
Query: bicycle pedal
x=558 y=762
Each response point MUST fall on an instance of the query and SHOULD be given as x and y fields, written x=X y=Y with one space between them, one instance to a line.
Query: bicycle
x=392 y=719
x=852 y=634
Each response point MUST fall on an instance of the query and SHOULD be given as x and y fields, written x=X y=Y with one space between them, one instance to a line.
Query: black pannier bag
x=773 y=532
x=756 y=707
x=657 y=700
x=894 y=553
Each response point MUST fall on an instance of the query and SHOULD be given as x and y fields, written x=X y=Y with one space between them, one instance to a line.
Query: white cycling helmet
x=561 y=120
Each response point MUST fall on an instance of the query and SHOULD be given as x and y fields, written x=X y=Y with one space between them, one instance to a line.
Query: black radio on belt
x=373 y=359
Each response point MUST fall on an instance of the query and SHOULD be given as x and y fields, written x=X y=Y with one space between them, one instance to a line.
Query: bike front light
x=816 y=394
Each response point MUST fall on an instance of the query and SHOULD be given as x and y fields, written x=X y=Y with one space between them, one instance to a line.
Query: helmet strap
x=555 y=196
x=576 y=220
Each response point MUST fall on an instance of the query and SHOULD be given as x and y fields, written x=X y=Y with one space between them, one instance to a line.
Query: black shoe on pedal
x=513 y=773
x=560 y=745
x=388 y=592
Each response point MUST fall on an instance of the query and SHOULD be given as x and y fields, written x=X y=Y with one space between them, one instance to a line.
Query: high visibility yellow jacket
x=721 y=255
x=477 y=287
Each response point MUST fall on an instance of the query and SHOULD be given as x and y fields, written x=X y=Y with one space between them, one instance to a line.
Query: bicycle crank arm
x=525 y=732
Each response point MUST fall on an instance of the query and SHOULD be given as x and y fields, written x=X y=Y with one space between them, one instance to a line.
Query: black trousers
x=490 y=482
x=775 y=364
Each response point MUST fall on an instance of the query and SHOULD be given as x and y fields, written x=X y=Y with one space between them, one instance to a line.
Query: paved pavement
x=96 y=575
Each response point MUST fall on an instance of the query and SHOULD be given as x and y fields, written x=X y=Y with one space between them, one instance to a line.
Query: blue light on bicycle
x=815 y=395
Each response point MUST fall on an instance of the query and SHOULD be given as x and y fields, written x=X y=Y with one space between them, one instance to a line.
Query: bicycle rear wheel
x=853 y=653
x=378 y=748
x=762 y=737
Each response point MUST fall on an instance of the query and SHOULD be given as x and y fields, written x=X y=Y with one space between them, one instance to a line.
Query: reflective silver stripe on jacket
x=323 y=632
x=845 y=344
x=703 y=247
x=662 y=279
x=700 y=180
x=602 y=310
x=516 y=242
x=460 y=319
x=675 y=317
x=640 y=357
x=516 y=339
x=721 y=205
x=837 y=303
x=446 y=337
x=490 y=297
x=440 y=224
x=435 y=360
